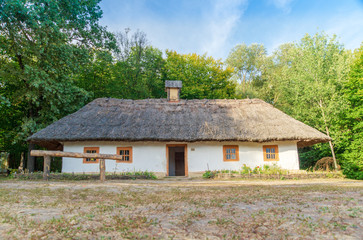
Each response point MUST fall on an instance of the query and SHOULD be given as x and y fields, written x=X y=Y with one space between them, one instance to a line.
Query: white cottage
x=176 y=137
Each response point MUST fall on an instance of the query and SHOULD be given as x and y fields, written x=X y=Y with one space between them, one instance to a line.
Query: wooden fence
x=48 y=154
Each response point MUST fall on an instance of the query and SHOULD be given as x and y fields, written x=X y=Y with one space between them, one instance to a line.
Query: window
x=126 y=153
x=91 y=150
x=230 y=153
x=270 y=153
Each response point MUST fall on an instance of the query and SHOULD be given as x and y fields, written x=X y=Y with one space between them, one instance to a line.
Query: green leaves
x=305 y=80
x=248 y=64
x=353 y=118
x=43 y=44
x=202 y=76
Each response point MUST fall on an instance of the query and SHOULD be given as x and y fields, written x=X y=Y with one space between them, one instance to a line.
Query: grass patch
x=269 y=172
x=84 y=176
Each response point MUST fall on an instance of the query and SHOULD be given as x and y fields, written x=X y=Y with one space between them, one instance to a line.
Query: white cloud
x=215 y=26
x=284 y=5
x=220 y=26
x=199 y=27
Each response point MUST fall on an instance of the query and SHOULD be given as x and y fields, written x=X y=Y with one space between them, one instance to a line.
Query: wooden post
x=102 y=170
x=21 y=166
x=46 y=170
x=31 y=159
x=48 y=154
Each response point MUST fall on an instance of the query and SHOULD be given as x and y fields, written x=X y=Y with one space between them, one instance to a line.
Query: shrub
x=246 y=169
x=353 y=171
x=273 y=169
x=209 y=174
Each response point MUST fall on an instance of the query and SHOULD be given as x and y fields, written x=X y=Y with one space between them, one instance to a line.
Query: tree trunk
x=327 y=133
x=333 y=154
x=31 y=160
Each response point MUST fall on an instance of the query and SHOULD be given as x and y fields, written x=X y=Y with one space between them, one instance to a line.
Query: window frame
x=85 y=149
x=225 y=147
x=276 y=147
x=118 y=149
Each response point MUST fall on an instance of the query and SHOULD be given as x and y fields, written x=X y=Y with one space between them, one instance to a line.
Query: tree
x=202 y=76
x=139 y=76
x=134 y=71
x=130 y=45
x=46 y=43
x=308 y=78
x=274 y=86
x=353 y=118
x=248 y=63
x=96 y=77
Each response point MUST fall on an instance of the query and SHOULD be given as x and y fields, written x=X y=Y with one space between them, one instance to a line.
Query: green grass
x=79 y=176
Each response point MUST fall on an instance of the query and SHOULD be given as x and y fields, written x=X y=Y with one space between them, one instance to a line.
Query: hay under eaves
x=248 y=120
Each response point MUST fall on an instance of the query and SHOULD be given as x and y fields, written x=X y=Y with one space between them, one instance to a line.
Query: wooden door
x=179 y=164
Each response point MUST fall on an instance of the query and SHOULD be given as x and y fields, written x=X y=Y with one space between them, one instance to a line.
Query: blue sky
x=216 y=26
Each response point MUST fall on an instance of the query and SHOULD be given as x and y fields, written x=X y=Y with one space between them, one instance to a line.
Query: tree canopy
x=313 y=81
x=42 y=45
x=353 y=118
x=248 y=63
x=202 y=76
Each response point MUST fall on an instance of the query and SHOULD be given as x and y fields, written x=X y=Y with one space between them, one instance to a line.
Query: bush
x=256 y=170
x=353 y=171
x=265 y=169
x=209 y=174
x=246 y=169
x=273 y=169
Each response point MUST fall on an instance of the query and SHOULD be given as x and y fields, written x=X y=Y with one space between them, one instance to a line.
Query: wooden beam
x=102 y=170
x=40 y=153
x=46 y=170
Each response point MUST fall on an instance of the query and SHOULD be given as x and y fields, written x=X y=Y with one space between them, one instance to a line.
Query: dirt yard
x=182 y=209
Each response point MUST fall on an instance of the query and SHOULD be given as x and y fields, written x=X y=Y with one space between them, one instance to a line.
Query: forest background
x=55 y=57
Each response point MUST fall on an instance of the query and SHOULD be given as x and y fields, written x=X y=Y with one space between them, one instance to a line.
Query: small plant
x=246 y=169
x=256 y=170
x=209 y=174
x=273 y=169
x=355 y=212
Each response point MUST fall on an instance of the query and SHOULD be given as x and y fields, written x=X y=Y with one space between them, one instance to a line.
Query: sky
x=214 y=27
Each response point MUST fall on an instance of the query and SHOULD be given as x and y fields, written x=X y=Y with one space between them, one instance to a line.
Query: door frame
x=185 y=157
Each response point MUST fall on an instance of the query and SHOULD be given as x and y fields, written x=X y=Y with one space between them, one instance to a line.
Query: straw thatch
x=325 y=164
x=249 y=120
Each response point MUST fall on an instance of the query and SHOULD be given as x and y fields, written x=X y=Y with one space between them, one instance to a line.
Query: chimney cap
x=173 y=84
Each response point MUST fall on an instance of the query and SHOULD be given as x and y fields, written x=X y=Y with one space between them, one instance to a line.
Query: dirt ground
x=182 y=209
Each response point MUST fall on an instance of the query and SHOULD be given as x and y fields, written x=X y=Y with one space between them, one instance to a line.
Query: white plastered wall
x=210 y=156
x=201 y=156
x=146 y=156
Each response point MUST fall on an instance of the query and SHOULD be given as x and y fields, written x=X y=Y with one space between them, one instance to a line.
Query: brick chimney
x=173 y=90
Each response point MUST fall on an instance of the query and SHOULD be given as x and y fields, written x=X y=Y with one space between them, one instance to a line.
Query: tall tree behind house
x=45 y=43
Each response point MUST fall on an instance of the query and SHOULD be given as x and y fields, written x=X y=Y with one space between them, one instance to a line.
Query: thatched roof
x=248 y=120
